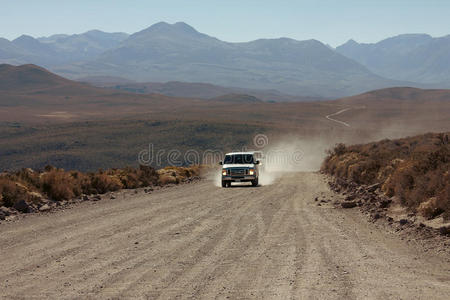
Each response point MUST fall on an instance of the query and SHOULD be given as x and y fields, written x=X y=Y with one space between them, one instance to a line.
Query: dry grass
x=58 y=184
x=175 y=175
x=414 y=169
x=11 y=192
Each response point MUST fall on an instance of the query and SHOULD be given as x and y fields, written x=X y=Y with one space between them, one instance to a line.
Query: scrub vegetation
x=414 y=169
x=27 y=190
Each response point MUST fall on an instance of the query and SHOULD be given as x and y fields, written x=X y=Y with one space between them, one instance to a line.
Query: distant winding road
x=329 y=117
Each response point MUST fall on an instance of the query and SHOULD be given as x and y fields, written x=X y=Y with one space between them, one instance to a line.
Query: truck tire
x=224 y=183
x=255 y=182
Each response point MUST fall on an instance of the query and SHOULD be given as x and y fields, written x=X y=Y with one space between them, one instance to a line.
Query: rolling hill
x=398 y=112
x=196 y=90
x=33 y=94
x=29 y=77
x=237 y=98
x=46 y=119
x=400 y=94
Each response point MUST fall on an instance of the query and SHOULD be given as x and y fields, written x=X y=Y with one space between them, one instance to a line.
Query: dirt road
x=202 y=241
x=329 y=117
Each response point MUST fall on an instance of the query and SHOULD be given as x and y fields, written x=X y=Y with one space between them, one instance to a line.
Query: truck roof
x=234 y=153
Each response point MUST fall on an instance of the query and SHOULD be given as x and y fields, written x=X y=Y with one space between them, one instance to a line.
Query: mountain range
x=58 y=49
x=411 y=57
x=177 y=52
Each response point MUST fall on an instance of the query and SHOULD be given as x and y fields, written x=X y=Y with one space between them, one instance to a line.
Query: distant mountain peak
x=185 y=26
x=408 y=37
x=24 y=37
x=182 y=24
x=164 y=27
x=95 y=31
x=160 y=26
x=351 y=42
x=29 y=44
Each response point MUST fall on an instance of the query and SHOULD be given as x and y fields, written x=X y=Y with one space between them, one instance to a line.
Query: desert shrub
x=443 y=199
x=165 y=179
x=130 y=178
x=431 y=208
x=11 y=192
x=196 y=170
x=364 y=171
x=28 y=177
x=82 y=183
x=58 y=185
x=339 y=149
x=49 y=168
x=147 y=176
x=102 y=183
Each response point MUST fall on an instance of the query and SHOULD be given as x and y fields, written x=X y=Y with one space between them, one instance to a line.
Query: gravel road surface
x=200 y=241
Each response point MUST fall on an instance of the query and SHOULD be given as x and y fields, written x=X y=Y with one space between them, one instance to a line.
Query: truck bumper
x=245 y=178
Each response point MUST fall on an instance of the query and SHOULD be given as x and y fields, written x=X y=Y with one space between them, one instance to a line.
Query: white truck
x=241 y=167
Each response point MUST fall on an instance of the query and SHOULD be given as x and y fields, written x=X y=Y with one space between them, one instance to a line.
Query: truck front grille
x=238 y=171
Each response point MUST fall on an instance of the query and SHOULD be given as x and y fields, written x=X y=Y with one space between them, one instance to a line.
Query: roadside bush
x=58 y=185
x=130 y=178
x=28 y=177
x=443 y=199
x=148 y=176
x=165 y=179
x=414 y=169
x=11 y=192
x=431 y=208
x=102 y=183
x=82 y=183
x=32 y=186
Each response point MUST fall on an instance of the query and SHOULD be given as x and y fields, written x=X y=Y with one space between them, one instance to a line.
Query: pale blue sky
x=330 y=21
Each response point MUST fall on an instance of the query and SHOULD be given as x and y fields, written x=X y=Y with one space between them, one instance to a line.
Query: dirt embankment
x=414 y=170
x=405 y=181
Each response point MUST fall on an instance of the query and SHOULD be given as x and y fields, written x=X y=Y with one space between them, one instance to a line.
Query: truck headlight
x=251 y=172
x=224 y=172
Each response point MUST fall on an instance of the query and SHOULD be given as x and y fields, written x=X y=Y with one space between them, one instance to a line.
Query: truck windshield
x=239 y=159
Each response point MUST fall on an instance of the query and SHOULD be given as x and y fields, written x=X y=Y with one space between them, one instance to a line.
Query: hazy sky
x=330 y=21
